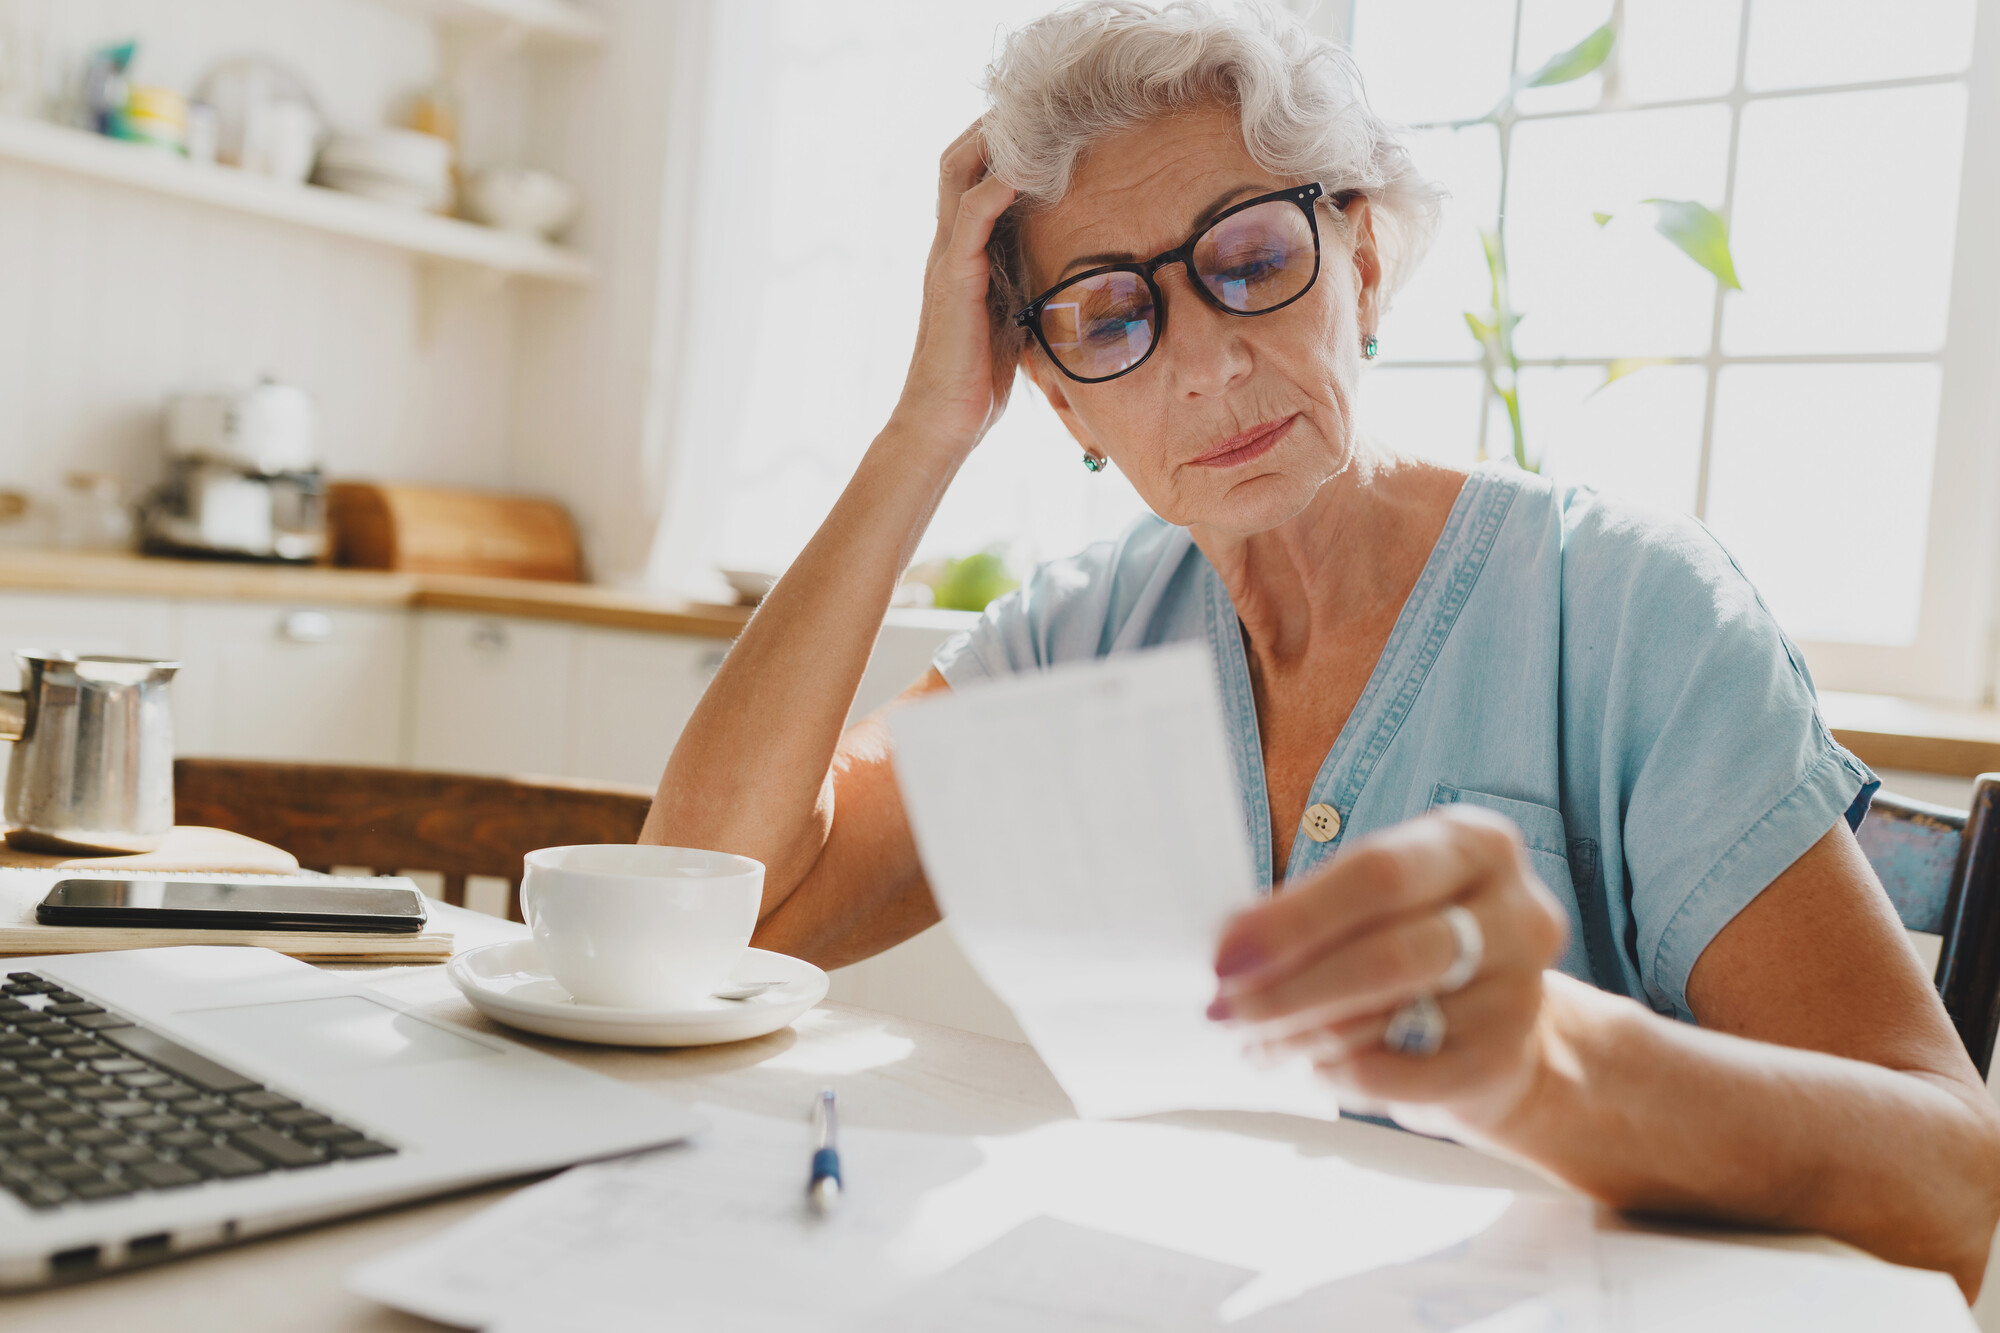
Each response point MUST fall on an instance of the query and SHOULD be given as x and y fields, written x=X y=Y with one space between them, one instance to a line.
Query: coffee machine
x=244 y=478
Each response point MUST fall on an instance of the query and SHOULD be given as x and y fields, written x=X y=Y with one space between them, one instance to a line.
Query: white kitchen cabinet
x=266 y=680
x=79 y=623
x=491 y=694
x=631 y=695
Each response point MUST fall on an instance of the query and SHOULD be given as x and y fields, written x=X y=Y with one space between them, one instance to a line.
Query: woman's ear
x=1367 y=256
x=1055 y=388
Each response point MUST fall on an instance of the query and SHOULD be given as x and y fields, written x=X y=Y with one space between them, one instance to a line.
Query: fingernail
x=1239 y=958
x=1218 y=1009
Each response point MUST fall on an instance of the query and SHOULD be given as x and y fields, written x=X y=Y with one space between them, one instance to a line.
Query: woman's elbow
x=1970 y=1238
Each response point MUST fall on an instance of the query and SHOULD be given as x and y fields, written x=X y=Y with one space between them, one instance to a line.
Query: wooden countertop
x=29 y=570
x=1884 y=731
x=1891 y=732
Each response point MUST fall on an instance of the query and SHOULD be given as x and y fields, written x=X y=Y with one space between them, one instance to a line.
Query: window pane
x=856 y=102
x=1427 y=319
x=1806 y=43
x=1638 y=438
x=1430 y=413
x=1846 y=207
x=1433 y=60
x=1679 y=48
x=1620 y=290
x=1820 y=483
x=1549 y=27
x=1025 y=489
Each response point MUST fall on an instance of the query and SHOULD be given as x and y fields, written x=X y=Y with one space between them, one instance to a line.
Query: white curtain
x=809 y=212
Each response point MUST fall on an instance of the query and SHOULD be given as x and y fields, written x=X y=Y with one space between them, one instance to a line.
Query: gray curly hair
x=1097 y=67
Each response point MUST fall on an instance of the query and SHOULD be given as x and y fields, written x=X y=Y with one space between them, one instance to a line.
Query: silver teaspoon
x=749 y=990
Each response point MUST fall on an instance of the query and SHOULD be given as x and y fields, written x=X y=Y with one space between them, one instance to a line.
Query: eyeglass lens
x=1250 y=261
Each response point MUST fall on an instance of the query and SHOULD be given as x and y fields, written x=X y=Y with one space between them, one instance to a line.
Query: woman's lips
x=1252 y=443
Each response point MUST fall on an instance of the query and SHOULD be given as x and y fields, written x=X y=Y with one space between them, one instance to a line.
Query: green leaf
x=1601 y=219
x=1581 y=59
x=1481 y=330
x=1701 y=234
x=1626 y=365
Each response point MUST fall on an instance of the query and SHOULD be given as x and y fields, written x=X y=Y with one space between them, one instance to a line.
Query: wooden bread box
x=434 y=530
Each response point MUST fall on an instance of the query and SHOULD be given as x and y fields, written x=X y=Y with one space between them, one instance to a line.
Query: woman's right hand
x=957 y=386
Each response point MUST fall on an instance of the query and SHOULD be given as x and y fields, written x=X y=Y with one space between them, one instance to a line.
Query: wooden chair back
x=395 y=820
x=1941 y=868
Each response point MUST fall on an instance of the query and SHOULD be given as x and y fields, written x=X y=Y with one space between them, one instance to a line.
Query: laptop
x=158 y=1101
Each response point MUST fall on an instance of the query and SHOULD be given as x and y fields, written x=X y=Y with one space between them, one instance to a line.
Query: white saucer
x=508 y=984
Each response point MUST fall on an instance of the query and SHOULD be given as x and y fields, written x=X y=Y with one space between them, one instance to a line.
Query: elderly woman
x=1504 y=742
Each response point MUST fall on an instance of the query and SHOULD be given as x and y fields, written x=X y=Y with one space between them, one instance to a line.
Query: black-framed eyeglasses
x=1255 y=257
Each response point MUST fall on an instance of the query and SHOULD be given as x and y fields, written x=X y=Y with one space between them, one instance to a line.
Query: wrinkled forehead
x=1141 y=191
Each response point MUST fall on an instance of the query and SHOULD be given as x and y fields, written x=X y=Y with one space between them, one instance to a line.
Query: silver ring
x=1471 y=942
x=1416 y=1028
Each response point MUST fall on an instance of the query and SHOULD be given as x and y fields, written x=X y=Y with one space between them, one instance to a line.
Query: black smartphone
x=202 y=904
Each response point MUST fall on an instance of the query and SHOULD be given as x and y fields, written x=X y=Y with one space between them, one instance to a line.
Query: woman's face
x=1233 y=423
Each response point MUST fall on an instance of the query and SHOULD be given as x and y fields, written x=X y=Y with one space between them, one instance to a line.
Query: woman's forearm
x=751 y=771
x=1657 y=1116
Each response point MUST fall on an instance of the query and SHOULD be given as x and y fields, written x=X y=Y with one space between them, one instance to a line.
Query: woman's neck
x=1354 y=549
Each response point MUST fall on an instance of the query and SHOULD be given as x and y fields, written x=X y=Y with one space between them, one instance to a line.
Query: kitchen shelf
x=540 y=20
x=80 y=153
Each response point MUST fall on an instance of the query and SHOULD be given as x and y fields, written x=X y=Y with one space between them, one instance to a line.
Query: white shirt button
x=1322 y=823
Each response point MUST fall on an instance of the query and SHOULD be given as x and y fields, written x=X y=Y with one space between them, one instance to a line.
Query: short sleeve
x=1071 y=609
x=1725 y=773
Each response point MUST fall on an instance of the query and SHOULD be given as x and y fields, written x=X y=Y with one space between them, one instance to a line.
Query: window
x=820 y=190
x=1833 y=421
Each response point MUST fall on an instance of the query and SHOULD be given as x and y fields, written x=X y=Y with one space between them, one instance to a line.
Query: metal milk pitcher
x=93 y=763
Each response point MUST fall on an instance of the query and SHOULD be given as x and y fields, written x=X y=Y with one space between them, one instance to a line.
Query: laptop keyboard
x=95 y=1106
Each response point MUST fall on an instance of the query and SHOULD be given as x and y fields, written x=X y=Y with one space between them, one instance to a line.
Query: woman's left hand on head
x=1319 y=968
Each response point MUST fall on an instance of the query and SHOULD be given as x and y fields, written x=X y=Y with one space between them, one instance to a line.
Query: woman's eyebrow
x=1220 y=202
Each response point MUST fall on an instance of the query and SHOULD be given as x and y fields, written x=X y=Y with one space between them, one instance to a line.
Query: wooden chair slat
x=454 y=824
x=1913 y=848
x=1968 y=975
x=1941 y=868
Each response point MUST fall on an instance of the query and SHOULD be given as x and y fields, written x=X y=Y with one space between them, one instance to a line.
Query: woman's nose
x=1205 y=348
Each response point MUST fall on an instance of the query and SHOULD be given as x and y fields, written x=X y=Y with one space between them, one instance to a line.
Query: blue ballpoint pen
x=824 y=1189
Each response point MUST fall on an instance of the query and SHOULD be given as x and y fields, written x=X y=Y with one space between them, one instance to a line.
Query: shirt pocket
x=1543 y=834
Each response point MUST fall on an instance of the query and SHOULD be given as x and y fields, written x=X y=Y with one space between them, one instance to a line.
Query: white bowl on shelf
x=533 y=203
x=409 y=154
x=401 y=167
x=750 y=585
x=425 y=196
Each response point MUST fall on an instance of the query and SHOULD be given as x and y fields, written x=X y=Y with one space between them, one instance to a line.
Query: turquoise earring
x=1369 y=348
x=1094 y=463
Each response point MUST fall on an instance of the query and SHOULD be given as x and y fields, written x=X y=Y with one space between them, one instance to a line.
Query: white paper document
x=714 y=1231
x=1083 y=835
x=1069 y=1227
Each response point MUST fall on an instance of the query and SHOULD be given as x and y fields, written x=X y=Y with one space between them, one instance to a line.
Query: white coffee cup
x=641 y=927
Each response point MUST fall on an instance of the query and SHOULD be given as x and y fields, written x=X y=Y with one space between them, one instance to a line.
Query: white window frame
x=1956 y=652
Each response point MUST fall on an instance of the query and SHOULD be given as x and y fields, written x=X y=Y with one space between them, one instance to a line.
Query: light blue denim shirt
x=1602 y=675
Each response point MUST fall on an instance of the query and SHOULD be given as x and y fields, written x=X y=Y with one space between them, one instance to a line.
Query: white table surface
x=892 y=1073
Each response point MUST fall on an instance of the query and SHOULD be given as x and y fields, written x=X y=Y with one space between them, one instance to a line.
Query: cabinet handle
x=489 y=636
x=306 y=627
